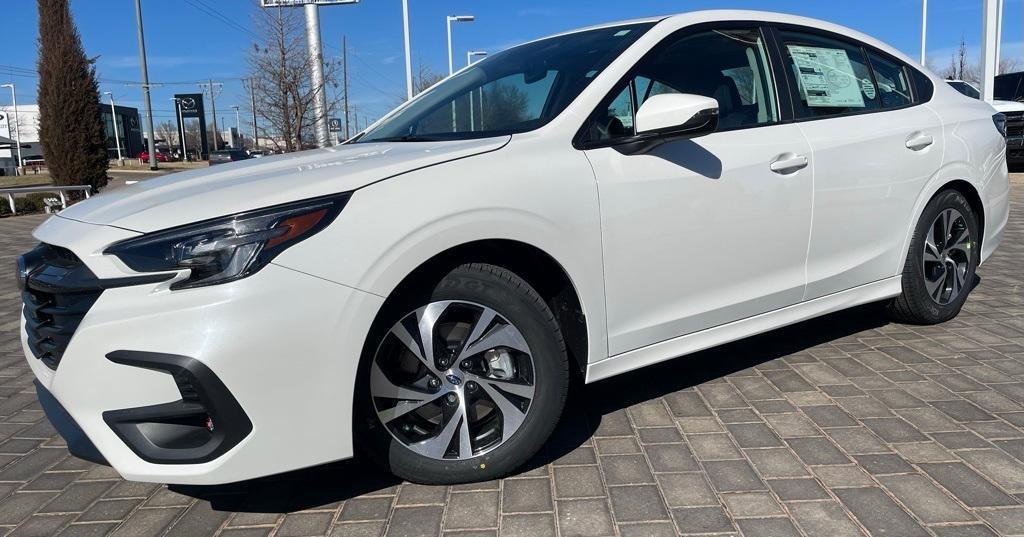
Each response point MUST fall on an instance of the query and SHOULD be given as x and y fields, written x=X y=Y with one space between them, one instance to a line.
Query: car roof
x=707 y=15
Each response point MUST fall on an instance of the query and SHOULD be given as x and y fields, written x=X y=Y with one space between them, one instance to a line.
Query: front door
x=698 y=233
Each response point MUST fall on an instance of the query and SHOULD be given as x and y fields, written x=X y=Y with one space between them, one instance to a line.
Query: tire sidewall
x=535 y=323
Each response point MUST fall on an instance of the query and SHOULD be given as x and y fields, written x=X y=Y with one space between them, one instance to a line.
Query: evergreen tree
x=70 y=128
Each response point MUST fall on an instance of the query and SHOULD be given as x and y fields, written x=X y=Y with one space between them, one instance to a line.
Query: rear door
x=874 y=148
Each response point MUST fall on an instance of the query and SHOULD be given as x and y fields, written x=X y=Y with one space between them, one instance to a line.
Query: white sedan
x=580 y=205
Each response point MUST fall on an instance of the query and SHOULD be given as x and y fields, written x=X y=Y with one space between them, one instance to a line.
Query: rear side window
x=892 y=82
x=923 y=86
x=831 y=77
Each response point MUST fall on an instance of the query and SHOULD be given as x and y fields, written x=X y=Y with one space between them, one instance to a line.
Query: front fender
x=527 y=192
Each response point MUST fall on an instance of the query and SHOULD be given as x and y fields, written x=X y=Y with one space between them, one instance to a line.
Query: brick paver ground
x=840 y=426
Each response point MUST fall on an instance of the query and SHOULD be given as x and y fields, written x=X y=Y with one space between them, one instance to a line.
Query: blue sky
x=186 y=44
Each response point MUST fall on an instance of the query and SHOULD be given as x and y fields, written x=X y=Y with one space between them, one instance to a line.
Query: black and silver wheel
x=468 y=385
x=939 y=271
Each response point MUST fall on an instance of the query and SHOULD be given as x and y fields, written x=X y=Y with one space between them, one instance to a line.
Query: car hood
x=1008 y=106
x=192 y=196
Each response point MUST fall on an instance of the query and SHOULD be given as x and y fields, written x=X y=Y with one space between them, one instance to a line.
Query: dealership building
x=129 y=131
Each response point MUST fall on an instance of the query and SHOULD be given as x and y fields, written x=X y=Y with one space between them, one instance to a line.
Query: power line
x=209 y=10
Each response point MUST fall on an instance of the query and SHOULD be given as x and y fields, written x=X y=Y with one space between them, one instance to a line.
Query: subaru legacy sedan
x=578 y=206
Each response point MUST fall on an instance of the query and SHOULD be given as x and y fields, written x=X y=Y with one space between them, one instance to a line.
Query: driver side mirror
x=677 y=115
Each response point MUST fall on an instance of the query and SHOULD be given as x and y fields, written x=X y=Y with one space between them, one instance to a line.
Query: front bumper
x=283 y=344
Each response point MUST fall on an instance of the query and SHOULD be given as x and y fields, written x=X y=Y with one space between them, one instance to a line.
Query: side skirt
x=711 y=337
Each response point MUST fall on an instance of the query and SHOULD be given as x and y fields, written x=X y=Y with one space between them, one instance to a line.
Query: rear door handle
x=787 y=163
x=919 y=141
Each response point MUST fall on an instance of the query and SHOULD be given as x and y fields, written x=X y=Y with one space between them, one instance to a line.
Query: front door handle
x=788 y=163
x=919 y=141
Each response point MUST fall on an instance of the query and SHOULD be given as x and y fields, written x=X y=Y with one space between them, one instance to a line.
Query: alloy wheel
x=947 y=256
x=452 y=380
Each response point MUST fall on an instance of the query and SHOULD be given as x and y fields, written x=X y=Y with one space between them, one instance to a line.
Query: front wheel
x=465 y=384
x=940 y=269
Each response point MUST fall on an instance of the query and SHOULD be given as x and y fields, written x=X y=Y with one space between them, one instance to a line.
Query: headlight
x=228 y=248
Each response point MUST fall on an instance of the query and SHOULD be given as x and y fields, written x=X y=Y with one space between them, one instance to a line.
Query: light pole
x=408 y=52
x=17 y=125
x=469 y=61
x=117 y=135
x=924 y=29
x=181 y=128
x=450 y=20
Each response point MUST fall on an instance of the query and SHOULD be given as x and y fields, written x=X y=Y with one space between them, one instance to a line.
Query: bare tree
x=279 y=67
x=167 y=132
x=960 y=67
x=1008 y=65
x=425 y=78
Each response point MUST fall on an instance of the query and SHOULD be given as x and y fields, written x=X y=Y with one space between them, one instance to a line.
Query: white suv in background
x=585 y=204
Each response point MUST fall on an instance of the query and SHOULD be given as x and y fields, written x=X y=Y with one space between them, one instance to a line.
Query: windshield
x=518 y=90
x=965 y=88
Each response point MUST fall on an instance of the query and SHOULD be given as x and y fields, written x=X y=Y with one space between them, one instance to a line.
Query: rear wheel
x=940 y=268
x=464 y=384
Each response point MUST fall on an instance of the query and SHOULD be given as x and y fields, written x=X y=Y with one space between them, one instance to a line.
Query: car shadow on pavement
x=321 y=486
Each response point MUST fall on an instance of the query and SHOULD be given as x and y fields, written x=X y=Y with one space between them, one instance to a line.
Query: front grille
x=1014 y=124
x=59 y=290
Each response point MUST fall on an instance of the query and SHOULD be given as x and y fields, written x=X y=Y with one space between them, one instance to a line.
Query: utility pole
x=316 y=61
x=213 y=88
x=252 y=96
x=344 y=72
x=145 y=86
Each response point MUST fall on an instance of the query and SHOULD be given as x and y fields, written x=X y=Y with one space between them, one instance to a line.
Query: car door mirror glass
x=677 y=114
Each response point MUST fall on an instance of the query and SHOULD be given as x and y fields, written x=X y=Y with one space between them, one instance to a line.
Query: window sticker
x=826 y=77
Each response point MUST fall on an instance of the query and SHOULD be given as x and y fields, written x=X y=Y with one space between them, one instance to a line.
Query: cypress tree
x=70 y=127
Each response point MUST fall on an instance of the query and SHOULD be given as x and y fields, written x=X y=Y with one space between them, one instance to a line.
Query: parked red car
x=160 y=157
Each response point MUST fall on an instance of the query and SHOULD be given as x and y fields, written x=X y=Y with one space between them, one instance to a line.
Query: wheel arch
x=538 y=268
x=934 y=187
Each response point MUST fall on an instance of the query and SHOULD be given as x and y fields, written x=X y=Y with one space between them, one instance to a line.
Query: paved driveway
x=840 y=426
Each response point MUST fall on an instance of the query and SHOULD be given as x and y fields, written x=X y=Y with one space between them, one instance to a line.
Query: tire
x=461 y=420
x=939 y=271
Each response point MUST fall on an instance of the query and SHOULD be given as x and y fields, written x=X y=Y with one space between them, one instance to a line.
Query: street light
x=472 y=121
x=181 y=128
x=17 y=128
x=450 y=20
x=117 y=135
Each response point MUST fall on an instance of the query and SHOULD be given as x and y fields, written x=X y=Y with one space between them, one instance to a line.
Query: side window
x=893 y=84
x=729 y=65
x=831 y=77
x=924 y=89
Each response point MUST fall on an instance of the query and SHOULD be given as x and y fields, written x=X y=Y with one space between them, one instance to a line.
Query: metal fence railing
x=60 y=190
